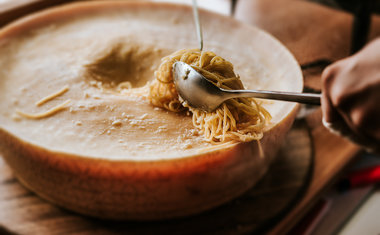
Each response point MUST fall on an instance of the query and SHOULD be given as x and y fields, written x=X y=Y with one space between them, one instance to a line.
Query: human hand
x=351 y=96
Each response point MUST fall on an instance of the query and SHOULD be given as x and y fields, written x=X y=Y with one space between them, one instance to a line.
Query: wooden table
x=302 y=27
x=332 y=153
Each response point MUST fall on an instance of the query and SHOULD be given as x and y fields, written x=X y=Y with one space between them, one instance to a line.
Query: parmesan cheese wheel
x=108 y=152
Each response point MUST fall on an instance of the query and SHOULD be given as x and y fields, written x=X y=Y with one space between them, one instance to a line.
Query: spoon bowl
x=195 y=89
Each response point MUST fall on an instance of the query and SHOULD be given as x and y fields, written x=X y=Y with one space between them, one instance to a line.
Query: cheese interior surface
x=100 y=121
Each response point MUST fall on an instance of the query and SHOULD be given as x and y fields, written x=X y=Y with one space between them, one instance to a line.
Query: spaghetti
x=52 y=96
x=44 y=100
x=239 y=119
x=48 y=113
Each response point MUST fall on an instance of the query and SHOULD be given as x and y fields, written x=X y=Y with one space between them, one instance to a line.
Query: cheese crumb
x=117 y=122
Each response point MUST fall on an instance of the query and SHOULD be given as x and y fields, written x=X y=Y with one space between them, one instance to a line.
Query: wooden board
x=23 y=212
x=332 y=155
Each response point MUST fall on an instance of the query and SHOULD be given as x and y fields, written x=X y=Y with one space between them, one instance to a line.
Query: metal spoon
x=202 y=94
x=197 y=25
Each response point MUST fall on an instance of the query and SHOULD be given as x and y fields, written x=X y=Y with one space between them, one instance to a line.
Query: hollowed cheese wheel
x=114 y=155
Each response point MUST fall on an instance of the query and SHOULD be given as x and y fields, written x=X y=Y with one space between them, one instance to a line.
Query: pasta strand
x=240 y=119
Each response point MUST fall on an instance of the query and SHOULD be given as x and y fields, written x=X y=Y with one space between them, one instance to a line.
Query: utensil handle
x=305 y=98
x=198 y=25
